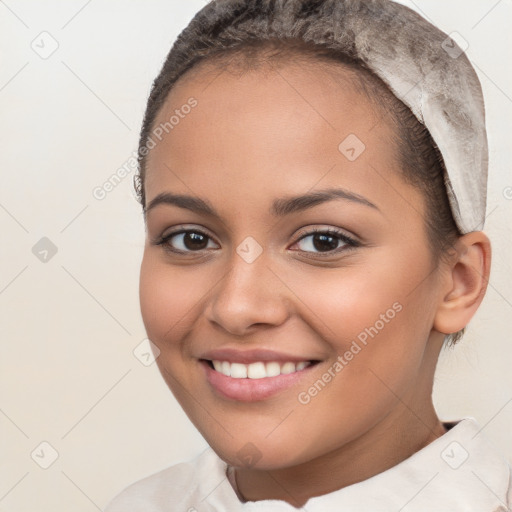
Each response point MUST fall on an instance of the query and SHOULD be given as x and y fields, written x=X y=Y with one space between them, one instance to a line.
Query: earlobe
x=465 y=283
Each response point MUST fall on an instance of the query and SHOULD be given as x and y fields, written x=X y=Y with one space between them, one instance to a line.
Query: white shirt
x=458 y=472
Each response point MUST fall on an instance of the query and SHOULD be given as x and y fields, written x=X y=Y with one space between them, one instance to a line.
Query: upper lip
x=251 y=356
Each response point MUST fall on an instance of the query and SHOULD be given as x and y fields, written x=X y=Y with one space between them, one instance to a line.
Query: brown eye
x=326 y=241
x=195 y=241
x=186 y=241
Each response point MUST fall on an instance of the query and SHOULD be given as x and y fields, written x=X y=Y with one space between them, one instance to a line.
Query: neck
x=398 y=436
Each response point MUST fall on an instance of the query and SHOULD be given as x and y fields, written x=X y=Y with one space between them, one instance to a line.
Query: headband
x=429 y=72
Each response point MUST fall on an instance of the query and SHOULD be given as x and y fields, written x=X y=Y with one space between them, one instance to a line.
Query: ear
x=464 y=283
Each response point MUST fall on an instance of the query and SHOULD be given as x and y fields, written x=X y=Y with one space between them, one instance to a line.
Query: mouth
x=255 y=381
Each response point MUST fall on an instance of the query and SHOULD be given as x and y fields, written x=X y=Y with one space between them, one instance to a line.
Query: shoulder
x=175 y=485
x=476 y=471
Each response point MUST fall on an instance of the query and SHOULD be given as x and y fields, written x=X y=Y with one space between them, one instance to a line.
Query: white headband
x=431 y=74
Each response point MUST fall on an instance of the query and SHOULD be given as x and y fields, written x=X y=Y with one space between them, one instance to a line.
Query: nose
x=250 y=295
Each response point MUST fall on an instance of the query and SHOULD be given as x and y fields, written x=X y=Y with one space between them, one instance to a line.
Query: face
x=334 y=292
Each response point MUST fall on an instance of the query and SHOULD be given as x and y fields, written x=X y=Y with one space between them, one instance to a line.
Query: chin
x=258 y=455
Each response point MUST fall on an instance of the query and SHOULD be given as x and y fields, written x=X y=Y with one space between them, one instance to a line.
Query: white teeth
x=273 y=369
x=225 y=368
x=238 y=370
x=258 y=370
x=288 y=368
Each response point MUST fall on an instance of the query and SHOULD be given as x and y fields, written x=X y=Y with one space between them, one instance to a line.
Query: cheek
x=346 y=301
x=368 y=320
x=167 y=296
x=377 y=313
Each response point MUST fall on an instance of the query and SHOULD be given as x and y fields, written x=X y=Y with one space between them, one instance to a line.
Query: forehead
x=271 y=131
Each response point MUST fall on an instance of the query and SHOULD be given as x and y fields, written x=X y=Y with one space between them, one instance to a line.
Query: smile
x=255 y=381
x=259 y=369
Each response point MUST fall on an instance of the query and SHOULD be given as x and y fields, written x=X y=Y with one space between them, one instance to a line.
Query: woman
x=313 y=180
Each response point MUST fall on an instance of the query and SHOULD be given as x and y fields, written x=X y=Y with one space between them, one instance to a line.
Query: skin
x=272 y=133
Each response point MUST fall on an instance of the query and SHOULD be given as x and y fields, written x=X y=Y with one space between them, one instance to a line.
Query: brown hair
x=247 y=33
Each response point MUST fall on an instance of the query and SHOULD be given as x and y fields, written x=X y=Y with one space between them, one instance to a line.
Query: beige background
x=69 y=326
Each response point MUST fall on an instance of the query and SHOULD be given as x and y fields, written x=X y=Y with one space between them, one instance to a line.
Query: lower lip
x=252 y=390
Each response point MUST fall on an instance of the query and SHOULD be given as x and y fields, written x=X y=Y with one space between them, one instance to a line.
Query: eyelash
x=349 y=242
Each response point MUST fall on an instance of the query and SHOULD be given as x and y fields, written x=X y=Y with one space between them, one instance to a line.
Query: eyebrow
x=280 y=207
